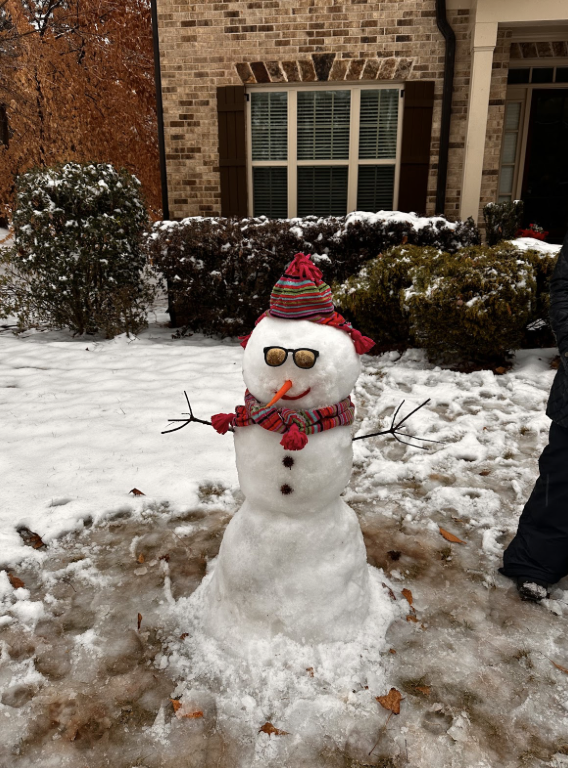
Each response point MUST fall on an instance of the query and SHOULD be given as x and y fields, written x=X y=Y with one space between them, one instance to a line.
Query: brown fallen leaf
x=139 y=621
x=310 y=671
x=425 y=689
x=412 y=617
x=176 y=704
x=560 y=667
x=392 y=650
x=450 y=537
x=15 y=581
x=389 y=590
x=30 y=538
x=485 y=472
x=136 y=492
x=408 y=595
x=272 y=731
x=185 y=634
x=391 y=701
x=192 y=715
x=501 y=370
x=140 y=558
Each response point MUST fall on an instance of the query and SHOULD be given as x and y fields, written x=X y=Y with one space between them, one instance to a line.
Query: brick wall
x=207 y=44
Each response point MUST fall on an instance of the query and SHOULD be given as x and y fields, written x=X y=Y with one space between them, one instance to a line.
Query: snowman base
x=305 y=577
x=322 y=695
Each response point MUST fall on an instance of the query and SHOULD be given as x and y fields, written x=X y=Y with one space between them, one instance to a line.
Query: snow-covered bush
x=472 y=305
x=77 y=258
x=221 y=271
x=502 y=220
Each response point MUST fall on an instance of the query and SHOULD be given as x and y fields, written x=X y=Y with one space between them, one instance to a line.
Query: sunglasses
x=304 y=358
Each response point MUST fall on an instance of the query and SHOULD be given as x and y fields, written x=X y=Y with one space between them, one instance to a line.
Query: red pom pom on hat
x=222 y=421
x=303 y=266
x=293 y=439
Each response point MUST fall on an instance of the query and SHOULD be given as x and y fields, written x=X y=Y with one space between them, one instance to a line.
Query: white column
x=484 y=38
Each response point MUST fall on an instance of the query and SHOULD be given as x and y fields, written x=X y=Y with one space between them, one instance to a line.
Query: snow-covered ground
x=98 y=639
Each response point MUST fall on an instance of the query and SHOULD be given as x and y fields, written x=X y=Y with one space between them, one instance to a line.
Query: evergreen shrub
x=502 y=220
x=470 y=306
x=78 y=259
x=220 y=271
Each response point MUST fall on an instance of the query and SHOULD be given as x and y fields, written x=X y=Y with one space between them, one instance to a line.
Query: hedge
x=220 y=271
x=470 y=306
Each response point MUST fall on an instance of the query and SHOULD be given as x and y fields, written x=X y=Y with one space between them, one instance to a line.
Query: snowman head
x=334 y=363
x=304 y=341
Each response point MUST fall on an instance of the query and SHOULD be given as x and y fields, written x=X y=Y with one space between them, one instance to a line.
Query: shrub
x=220 y=271
x=77 y=258
x=502 y=220
x=470 y=306
x=473 y=306
x=372 y=298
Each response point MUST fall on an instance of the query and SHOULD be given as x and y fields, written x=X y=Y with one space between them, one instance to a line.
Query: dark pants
x=540 y=548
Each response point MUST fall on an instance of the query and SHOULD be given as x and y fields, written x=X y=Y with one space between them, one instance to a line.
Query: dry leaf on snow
x=140 y=558
x=412 y=617
x=271 y=730
x=450 y=537
x=560 y=667
x=139 y=621
x=136 y=492
x=15 y=581
x=425 y=689
x=181 y=712
x=310 y=671
x=391 y=701
x=408 y=595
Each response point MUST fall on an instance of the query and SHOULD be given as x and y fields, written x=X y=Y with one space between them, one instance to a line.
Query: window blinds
x=375 y=188
x=269 y=118
x=323 y=125
x=270 y=191
x=322 y=190
x=378 y=124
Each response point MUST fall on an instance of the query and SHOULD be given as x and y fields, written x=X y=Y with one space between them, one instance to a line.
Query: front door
x=545 y=178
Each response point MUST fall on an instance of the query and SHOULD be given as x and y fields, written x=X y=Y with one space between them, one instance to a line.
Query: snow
x=532 y=244
x=81 y=422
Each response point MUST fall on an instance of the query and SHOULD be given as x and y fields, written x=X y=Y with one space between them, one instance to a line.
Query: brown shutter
x=415 y=150
x=232 y=150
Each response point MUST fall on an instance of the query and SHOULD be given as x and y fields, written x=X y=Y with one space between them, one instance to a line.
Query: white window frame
x=352 y=162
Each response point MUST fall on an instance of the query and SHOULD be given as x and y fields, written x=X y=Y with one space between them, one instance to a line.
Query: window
x=323 y=152
x=509 y=148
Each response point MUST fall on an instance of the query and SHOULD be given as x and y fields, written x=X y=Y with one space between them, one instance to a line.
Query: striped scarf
x=289 y=422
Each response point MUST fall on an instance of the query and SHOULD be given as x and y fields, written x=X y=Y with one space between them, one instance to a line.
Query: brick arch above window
x=324 y=67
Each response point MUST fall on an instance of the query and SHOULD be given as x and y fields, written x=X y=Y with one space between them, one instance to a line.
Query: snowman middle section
x=292 y=560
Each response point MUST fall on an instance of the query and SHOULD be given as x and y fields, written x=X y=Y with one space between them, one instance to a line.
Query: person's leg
x=539 y=551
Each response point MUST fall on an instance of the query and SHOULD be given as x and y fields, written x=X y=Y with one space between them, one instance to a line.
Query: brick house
x=292 y=107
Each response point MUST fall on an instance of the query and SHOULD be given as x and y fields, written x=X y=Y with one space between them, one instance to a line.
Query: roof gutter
x=160 y=112
x=448 y=86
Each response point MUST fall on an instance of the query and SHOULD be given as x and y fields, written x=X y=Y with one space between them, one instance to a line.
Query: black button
x=286 y=489
x=288 y=462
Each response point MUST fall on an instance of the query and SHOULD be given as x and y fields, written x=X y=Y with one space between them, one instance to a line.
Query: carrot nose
x=282 y=391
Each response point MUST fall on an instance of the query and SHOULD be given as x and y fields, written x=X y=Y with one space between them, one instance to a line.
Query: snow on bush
x=472 y=305
x=221 y=271
x=77 y=258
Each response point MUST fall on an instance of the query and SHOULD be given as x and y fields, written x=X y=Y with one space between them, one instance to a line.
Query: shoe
x=532 y=590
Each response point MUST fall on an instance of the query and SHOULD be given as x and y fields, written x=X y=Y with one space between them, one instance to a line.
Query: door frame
x=523 y=93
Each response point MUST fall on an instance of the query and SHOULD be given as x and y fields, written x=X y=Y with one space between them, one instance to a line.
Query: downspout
x=161 y=141
x=160 y=111
x=449 y=61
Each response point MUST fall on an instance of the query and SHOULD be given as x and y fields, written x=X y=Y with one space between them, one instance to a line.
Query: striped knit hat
x=301 y=294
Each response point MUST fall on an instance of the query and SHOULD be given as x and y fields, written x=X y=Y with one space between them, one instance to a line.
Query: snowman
x=292 y=559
